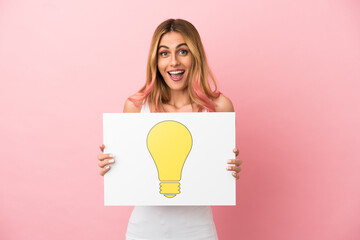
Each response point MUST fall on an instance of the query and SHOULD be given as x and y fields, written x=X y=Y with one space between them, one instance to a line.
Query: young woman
x=178 y=80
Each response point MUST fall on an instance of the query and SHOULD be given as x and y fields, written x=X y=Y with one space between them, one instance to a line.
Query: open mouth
x=176 y=75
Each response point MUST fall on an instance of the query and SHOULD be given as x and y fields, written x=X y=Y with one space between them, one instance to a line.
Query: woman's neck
x=179 y=99
x=180 y=102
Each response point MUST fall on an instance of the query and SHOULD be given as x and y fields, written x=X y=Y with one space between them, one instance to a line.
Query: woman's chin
x=176 y=85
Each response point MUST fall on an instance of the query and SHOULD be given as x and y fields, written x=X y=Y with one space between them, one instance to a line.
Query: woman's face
x=174 y=60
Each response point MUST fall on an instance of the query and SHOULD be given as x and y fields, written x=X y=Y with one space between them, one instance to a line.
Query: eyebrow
x=181 y=44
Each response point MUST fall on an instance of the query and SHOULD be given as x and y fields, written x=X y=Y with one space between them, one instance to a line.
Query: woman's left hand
x=234 y=165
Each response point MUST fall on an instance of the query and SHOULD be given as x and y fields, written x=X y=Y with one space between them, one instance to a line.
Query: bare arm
x=223 y=104
x=130 y=107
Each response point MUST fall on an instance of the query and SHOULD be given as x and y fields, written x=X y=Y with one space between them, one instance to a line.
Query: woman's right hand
x=105 y=160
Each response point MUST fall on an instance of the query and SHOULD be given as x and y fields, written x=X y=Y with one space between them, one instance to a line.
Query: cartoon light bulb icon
x=169 y=143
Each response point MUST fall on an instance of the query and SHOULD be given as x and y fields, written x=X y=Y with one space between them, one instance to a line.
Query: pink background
x=291 y=68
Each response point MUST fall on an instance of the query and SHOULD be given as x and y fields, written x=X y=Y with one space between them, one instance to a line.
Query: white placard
x=134 y=177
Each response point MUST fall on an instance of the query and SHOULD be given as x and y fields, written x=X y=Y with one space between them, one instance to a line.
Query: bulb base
x=169 y=189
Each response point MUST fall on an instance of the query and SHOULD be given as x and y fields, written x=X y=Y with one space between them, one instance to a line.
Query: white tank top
x=171 y=222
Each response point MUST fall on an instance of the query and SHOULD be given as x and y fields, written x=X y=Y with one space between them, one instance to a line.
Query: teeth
x=176 y=72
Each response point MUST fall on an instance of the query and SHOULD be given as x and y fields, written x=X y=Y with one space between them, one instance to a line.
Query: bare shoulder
x=223 y=104
x=130 y=107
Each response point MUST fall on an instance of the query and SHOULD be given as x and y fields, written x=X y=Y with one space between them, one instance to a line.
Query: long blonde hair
x=155 y=90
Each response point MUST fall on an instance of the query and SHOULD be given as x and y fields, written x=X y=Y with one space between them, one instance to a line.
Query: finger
x=103 y=156
x=235 y=175
x=102 y=146
x=105 y=162
x=237 y=162
x=236 y=151
x=104 y=170
x=233 y=168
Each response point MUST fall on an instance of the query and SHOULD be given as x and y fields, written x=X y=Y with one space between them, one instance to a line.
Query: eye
x=183 y=52
x=163 y=54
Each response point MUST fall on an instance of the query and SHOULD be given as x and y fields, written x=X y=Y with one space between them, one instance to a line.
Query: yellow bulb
x=169 y=143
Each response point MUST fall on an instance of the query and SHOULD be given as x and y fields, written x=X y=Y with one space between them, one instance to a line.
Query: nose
x=174 y=60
